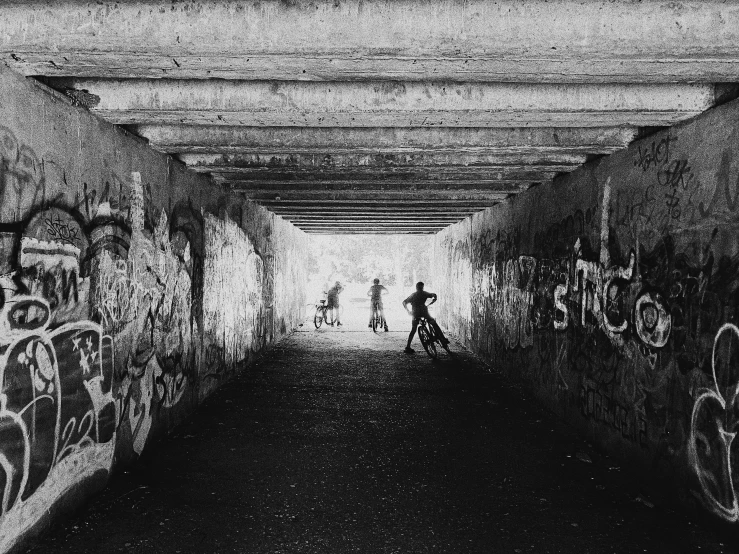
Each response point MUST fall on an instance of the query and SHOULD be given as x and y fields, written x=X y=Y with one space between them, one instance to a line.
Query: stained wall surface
x=613 y=294
x=126 y=296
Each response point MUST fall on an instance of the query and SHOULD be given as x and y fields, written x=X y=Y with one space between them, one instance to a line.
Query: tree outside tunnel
x=399 y=261
x=395 y=260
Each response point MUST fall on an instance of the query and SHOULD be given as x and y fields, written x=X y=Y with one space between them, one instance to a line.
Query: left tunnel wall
x=127 y=295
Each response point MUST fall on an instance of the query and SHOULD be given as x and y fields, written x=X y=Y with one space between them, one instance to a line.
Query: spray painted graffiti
x=579 y=288
x=526 y=294
x=601 y=407
x=21 y=174
x=233 y=296
x=82 y=284
x=57 y=414
x=618 y=302
x=101 y=300
x=144 y=300
x=714 y=425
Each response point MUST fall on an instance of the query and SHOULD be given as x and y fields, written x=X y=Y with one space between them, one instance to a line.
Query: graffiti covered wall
x=613 y=294
x=282 y=246
x=254 y=290
x=113 y=282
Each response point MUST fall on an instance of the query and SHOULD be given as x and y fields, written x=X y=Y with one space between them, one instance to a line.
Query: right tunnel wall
x=612 y=293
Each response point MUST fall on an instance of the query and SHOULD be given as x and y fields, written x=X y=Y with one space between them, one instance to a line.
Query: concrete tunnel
x=166 y=164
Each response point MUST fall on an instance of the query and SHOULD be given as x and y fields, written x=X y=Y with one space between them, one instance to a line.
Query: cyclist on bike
x=375 y=293
x=419 y=309
x=333 y=302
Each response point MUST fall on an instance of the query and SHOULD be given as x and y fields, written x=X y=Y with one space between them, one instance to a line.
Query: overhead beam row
x=471 y=40
x=285 y=141
x=371 y=194
x=390 y=104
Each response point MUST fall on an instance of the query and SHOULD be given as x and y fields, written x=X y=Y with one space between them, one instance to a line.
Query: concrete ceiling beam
x=417 y=200
x=325 y=161
x=379 y=216
x=397 y=216
x=332 y=227
x=389 y=232
x=330 y=223
x=659 y=67
x=238 y=183
x=449 y=176
x=373 y=210
x=411 y=196
x=396 y=222
x=428 y=189
x=390 y=104
x=389 y=209
x=316 y=141
x=533 y=41
x=300 y=178
x=378 y=224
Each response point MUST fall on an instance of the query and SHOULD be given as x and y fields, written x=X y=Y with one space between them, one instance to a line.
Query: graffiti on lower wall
x=122 y=305
x=233 y=305
x=57 y=413
x=714 y=424
x=57 y=410
x=615 y=295
x=289 y=301
x=82 y=283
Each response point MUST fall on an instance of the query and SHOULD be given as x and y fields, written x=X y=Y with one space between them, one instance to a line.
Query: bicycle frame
x=428 y=338
x=321 y=314
x=378 y=319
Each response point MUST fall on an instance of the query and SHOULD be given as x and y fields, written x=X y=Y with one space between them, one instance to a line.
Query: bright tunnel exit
x=354 y=261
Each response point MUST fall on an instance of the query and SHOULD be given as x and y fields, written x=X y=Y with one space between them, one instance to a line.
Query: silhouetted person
x=419 y=309
x=333 y=302
x=375 y=293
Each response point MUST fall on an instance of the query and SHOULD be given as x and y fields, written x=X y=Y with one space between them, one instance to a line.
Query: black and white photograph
x=369 y=276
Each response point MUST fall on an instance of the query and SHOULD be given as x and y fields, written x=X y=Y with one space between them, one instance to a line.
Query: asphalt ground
x=337 y=442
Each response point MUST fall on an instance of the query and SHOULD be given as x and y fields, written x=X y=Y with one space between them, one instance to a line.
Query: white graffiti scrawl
x=714 y=425
x=57 y=414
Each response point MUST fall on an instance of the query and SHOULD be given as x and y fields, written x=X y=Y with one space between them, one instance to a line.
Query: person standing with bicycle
x=419 y=309
x=375 y=293
x=333 y=302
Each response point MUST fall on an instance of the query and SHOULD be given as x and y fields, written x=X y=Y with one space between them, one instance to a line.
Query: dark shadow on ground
x=336 y=442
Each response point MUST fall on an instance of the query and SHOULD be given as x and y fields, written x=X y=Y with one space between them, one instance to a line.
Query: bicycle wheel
x=318 y=318
x=429 y=345
x=328 y=315
x=375 y=317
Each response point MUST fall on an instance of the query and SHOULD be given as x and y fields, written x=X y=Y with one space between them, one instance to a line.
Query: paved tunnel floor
x=336 y=442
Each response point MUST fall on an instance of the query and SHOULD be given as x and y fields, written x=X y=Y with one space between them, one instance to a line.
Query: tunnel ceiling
x=381 y=116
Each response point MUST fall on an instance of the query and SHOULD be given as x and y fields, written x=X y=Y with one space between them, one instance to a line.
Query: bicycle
x=323 y=313
x=428 y=339
x=377 y=320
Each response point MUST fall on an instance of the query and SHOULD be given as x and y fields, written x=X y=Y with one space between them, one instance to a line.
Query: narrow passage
x=336 y=442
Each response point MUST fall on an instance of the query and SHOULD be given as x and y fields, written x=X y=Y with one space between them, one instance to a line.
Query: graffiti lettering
x=713 y=427
x=56 y=409
x=657 y=153
x=675 y=175
x=723 y=194
x=600 y=407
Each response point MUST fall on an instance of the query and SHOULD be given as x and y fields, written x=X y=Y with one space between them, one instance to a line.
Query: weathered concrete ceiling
x=381 y=115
